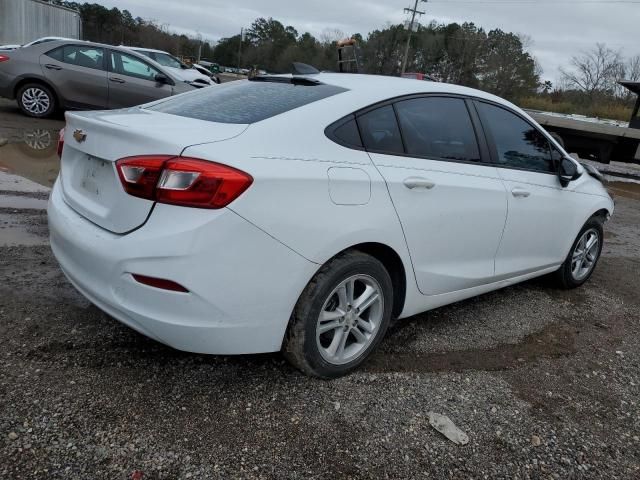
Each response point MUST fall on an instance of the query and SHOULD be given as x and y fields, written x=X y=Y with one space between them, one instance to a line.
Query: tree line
x=466 y=54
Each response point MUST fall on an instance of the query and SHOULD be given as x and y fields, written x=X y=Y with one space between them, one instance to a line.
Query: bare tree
x=594 y=71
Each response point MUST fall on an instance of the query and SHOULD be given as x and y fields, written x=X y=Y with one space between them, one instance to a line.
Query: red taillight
x=140 y=175
x=159 y=283
x=60 y=142
x=182 y=181
x=4 y=58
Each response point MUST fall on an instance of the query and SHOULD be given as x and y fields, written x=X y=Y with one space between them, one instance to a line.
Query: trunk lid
x=88 y=176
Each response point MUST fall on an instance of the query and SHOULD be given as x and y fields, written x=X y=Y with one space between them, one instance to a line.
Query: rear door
x=78 y=73
x=541 y=211
x=132 y=81
x=451 y=204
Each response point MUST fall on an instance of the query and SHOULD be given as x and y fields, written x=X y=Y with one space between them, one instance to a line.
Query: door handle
x=418 y=183
x=116 y=80
x=520 y=193
x=51 y=66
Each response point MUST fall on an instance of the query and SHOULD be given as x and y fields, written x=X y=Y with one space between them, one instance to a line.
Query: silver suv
x=82 y=75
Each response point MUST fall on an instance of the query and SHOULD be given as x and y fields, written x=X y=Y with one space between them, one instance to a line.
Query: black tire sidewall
x=44 y=88
x=360 y=265
x=568 y=279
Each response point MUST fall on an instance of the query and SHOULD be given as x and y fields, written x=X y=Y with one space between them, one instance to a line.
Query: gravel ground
x=544 y=382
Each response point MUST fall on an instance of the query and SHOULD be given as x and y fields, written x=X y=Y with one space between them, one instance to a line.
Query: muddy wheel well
x=393 y=263
x=602 y=213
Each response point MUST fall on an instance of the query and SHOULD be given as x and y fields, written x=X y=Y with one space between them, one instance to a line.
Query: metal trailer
x=597 y=141
x=22 y=21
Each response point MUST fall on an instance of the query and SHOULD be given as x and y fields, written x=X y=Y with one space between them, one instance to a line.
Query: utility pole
x=413 y=11
x=240 y=48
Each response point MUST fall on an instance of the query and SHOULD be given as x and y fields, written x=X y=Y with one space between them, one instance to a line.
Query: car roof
x=141 y=49
x=385 y=87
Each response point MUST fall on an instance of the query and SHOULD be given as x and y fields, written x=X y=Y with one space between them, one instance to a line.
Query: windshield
x=167 y=60
x=245 y=101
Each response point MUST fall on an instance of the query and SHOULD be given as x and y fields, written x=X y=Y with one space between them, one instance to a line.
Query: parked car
x=309 y=217
x=37 y=41
x=82 y=75
x=187 y=73
x=206 y=72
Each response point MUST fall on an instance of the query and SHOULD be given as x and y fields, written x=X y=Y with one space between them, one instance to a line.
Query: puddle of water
x=32 y=155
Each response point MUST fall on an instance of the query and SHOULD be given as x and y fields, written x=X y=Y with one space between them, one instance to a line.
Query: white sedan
x=304 y=213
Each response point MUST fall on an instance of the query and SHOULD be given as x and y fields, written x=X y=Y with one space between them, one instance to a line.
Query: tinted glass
x=88 y=57
x=379 y=130
x=518 y=144
x=134 y=67
x=56 y=53
x=245 y=101
x=348 y=134
x=438 y=128
x=167 y=60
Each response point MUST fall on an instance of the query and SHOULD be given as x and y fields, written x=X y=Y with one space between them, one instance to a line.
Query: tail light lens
x=182 y=181
x=4 y=58
x=60 y=142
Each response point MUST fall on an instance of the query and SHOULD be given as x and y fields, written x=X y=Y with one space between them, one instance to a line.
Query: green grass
x=611 y=111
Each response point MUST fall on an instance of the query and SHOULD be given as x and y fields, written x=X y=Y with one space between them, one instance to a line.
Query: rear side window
x=518 y=144
x=81 y=56
x=438 y=127
x=345 y=132
x=245 y=101
x=379 y=130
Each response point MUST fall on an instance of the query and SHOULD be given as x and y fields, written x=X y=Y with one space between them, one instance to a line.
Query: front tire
x=341 y=316
x=36 y=100
x=583 y=256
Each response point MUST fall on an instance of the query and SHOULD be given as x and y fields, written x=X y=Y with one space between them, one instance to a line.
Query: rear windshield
x=245 y=101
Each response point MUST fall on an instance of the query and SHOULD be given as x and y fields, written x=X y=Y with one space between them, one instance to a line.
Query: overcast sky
x=558 y=28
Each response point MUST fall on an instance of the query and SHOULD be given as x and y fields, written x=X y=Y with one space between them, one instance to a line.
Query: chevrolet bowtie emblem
x=79 y=135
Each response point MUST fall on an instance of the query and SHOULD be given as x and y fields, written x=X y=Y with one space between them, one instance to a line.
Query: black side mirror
x=567 y=171
x=162 y=78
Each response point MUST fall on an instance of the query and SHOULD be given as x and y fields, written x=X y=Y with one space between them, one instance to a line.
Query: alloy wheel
x=585 y=254
x=35 y=100
x=350 y=319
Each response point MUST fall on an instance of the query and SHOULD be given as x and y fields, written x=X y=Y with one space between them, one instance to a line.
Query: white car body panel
x=246 y=265
x=453 y=247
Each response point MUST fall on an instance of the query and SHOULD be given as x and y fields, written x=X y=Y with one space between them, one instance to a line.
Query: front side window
x=518 y=144
x=438 y=127
x=379 y=131
x=131 y=66
x=81 y=56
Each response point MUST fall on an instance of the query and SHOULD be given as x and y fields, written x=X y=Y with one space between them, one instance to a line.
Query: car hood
x=188 y=74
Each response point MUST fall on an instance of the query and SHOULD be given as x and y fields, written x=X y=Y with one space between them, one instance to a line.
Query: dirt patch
x=552 y=342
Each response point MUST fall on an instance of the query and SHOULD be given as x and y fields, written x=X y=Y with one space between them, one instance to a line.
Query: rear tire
x=583 y=256
x=36 y=100
x=341 y=316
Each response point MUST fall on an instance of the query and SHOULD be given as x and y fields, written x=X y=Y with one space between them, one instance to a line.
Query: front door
x=452 y=206
x=132 y=81
x=542 y=213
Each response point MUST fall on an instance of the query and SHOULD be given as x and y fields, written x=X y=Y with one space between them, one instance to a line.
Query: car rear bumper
x=242 y=283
